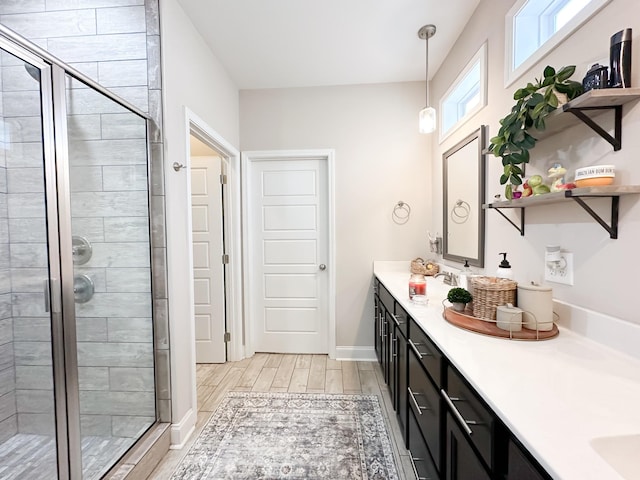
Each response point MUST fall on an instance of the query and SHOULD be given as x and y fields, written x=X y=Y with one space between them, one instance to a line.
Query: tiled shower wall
x=116 y=43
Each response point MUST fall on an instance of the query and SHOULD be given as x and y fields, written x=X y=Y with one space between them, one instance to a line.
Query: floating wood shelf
x=578 y=195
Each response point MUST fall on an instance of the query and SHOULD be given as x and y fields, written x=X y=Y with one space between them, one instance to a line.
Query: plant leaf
x=508 y=192
x=503 y=179
x=549 y=72
x=515 y=180
x=553 y=100
x=565 y=73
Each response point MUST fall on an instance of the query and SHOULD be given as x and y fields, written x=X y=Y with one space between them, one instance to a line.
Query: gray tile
x=6 y=333
x=93 y=378
x=130 y=426
x=34 y=401
x=21 y=104
x=125 y=178
x=5 y=277
x=3 y=182
x=32 y=353
x=108 y=152
x=87 y=102
x=157 y=170
x=36 y=423
x=22 y=6
x=69 y=23
x=90 y=228
x=91 y=329
x=74 y=4
x=28 y=305
x=130 y=46
x=84 y=127
x=8 y=428
x=123 y=73
x=128 y=280
x=28 y=280
x=130 y=330
x=115 y=354
x=7 y=405
x=120 y=126
x=128 y=305
x=163 y=373
x=32 y=329
x=155 y=111
x=131 y=379
x=85 y=179
x=137 y=96
x=152 y=16
x=27 y=230
x=24 y=129
x=16 y=78
x=121 y=20
x=25 y=155
x=95 y=425
x=154 y=63
x=158 y=221
x=33 y=377
x=26 y=205
x=6 y=356
x=90 y=69
x=125 y=255
x=108 y=204
x=126 y=229
x=164 y=410
x=29 y=255
x=25 y=180
x=160 y=289
x=114 y=403
x=161 y=324
x=4 y=225
x=7 y=380
x=98 y=276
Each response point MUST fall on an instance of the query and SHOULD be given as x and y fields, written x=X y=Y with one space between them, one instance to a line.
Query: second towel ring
x=401 y=213
x=460 y=212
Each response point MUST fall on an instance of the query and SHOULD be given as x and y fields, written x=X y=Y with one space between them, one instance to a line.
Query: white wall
x=194 y=78
x=380 y=159
x=603 y=267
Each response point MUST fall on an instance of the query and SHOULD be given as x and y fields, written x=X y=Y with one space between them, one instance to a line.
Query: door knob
x=323 y=266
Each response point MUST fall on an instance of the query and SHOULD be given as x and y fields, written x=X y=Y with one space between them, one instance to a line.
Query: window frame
x=511 y=73
x=479 y=57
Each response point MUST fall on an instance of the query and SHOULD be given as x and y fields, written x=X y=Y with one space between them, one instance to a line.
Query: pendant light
x=427 y=122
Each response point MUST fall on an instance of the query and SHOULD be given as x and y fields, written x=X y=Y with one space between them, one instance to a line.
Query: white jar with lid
x=509 y=318
x=536 y=302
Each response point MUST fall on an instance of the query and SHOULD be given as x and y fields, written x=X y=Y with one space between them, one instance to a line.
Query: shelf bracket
x=616 y=139
x=613 y=228
x=519 y=228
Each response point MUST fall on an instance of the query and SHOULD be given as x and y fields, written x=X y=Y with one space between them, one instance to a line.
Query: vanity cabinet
x=400 y=333
x=520 y=465
x=462 y=463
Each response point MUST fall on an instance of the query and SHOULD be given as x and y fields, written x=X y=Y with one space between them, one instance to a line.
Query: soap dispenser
x=464 y=278
x=504 y=269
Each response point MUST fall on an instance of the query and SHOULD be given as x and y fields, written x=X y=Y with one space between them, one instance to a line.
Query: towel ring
x=401 y=213
x=460 y=212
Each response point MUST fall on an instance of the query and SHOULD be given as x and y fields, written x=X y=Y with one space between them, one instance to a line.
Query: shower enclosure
x=77 y=381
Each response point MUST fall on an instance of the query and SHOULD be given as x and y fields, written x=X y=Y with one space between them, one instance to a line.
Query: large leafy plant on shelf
x=517 y=133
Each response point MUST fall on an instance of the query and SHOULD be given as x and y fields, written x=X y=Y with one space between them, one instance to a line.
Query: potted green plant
x=459 y=297
x=534 y=102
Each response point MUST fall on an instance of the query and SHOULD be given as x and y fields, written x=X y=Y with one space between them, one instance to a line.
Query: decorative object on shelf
x=595 y=176
x=489 y=292
x=620 y=59
x=422 y=267
x=516 y=135
x=596 y=77
x=427 y=118
x=460 y=212
x=459 y=297
x=401 y=213
x=509 y=317
x=417 y=288
x=556 y=175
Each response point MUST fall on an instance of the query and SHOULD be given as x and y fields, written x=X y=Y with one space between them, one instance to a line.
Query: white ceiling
x=301 y=43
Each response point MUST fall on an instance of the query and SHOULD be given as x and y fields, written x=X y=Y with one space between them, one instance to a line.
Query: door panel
x=288 y=241
x=208 y=269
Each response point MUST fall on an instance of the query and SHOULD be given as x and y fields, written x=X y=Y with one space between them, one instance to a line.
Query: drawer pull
x=463 y=423
x=413 y=465
x=395 y=319
x=394 y=349
x=414 y=347
x=415 y=402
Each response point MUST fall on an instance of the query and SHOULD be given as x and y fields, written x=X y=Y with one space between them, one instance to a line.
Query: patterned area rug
x=292 y=436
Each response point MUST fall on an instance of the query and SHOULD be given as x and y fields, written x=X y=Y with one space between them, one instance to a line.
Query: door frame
x=197 y=127
x=327 y=155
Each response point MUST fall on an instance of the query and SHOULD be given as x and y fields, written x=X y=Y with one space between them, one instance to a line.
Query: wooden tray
x=467 y=321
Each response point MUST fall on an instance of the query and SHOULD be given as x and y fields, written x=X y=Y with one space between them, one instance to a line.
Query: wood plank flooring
x=289 y=373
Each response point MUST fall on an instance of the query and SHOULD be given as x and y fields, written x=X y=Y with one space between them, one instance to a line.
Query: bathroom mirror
x=463 y=194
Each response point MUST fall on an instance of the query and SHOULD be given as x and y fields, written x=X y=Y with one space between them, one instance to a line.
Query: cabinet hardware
x=414 y=347
x=456 y=413
x=415 y=402
x=394 y=347
x=395 y=319
x=413 y=466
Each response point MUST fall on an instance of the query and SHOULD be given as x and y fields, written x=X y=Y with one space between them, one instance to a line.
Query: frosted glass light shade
x=427 y=123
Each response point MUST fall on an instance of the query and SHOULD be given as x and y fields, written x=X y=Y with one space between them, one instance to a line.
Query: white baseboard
x=362 y=354
x=181 y=431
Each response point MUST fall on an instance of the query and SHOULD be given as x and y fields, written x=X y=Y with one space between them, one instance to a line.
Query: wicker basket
x=489 y=292
x=424 y=268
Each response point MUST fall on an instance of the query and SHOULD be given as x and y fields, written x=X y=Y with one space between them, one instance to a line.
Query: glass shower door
x=109 y=203
x=28 y=240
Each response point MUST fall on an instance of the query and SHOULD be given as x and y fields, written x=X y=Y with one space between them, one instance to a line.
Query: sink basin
x=621 y=452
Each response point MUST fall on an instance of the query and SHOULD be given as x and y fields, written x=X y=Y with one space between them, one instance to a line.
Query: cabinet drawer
x=462 y=462
x=421 y=461
x=427 y=353
x=478 y=418
x=522 y=468
x=424 y=401
x=401 y=318
x=385 y=297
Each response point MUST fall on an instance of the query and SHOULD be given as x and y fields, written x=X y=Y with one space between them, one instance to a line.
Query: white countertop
x=557 y=396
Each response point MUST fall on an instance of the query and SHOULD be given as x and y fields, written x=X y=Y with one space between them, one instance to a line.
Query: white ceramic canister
x=536 y=302
x=509 y=318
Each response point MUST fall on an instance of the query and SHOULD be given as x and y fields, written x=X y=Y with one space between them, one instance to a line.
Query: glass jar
x=417 y=286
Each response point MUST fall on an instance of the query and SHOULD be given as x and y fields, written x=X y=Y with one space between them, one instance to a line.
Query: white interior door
x=287 y=209
x=208 y=269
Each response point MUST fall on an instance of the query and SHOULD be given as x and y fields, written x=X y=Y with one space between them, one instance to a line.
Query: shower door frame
x=59 y=247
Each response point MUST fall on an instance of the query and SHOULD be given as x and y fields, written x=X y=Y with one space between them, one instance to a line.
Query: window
x=466 y=96
x=535 y=27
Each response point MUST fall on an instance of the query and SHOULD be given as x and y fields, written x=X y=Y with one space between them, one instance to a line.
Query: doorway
x=290 y=266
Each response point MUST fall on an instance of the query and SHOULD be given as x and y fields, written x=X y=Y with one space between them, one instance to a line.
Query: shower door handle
x=47 y=295
x=52 y=301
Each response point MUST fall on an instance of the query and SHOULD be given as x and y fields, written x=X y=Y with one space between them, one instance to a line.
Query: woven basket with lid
x=490 y=292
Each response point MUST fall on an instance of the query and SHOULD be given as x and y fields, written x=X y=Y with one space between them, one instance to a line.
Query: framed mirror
x=463 y=193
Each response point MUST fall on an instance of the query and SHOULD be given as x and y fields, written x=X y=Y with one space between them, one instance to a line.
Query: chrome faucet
x=450 y=278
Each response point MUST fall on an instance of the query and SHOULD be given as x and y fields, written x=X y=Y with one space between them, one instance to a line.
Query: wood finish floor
x=289 y=373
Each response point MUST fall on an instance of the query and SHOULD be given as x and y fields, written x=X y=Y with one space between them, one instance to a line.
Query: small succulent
x=459 y=295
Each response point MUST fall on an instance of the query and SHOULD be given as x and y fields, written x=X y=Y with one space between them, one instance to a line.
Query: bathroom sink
x=621 y=452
